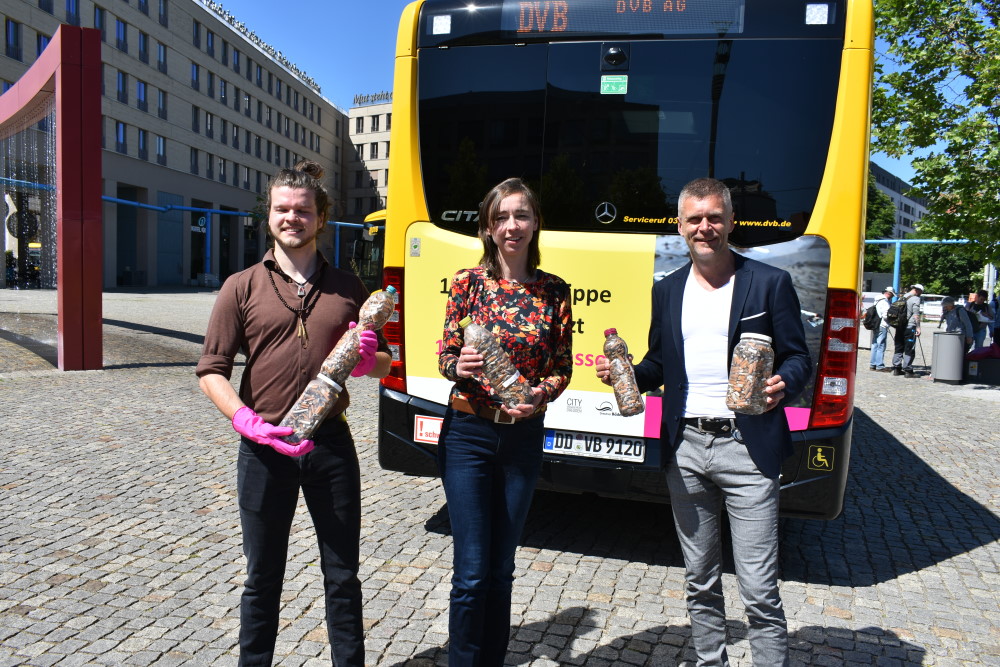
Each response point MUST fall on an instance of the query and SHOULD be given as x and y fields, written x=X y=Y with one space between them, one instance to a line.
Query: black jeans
x=268 y=486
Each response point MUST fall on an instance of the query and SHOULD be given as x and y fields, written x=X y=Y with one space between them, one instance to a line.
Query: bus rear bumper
x=812 y=486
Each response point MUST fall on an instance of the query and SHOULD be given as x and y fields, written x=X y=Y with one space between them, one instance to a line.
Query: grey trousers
x=705 y=472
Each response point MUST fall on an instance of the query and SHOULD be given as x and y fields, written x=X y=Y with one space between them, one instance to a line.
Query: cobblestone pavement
x=120 y=540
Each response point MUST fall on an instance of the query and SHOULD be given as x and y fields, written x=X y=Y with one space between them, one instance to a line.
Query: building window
x=267 y=118
x=210 y=88
x=236 y=60
x=360 y=150
x=73 y=12
x=140 y=96
x=121 y=35
x=100 y=23
x=222 y=170
x=336 y=154
x=122 y=87
x=260 y=111
x=144 y=6
x=269 y=157
x=386 y=156
x=286 y=127
x=41 y=41
x=195 y=76
x=295 y=98
x=223 y=96
x=163 y=13
x=258 y=181
x=143 y=47
x=236 y=98
x=161 y=57
x=161 y=104
x=373 y=151
x=246 y=105
x=143 y=146
x=195 y=118
x=388 y=122
x=209 y=165
x=236 y=136
x=161 y=150
x=358 y=179
x=249 y=69
x=196 y=34
x=246 y=177
x=246 y=141
x=210 y=43
x=259 y=76
x=209 y=129
x=270 y=82
x=13 y=39
x=45 y=5
x=374 y=123
x=277 y=88
x=256 y=146
x=120 y=137
x=224 y=132
x=224 y=57
x=194 y=160
x=359 y=125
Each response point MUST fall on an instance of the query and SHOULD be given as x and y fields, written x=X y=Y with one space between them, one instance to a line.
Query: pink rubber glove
x=368 y=346
x=248 y=423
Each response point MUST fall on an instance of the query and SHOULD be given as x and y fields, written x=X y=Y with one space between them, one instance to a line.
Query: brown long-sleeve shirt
x=248 y=317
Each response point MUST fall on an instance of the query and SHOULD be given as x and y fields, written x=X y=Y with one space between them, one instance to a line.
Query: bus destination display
x=621 y=17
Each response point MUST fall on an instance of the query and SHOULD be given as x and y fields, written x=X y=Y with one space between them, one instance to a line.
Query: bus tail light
x=393 y=331
x=833 y=397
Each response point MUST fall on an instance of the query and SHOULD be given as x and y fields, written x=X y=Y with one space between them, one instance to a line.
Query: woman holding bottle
x=490 y=455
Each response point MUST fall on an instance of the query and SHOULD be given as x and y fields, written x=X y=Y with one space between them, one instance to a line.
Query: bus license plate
x=592 y=445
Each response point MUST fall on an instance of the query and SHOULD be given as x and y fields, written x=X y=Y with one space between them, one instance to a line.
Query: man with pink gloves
x=284 y=315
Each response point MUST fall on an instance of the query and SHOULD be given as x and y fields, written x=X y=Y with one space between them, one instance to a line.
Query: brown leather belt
x=492 y=414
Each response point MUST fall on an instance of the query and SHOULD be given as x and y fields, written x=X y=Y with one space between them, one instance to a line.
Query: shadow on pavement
x=563 y=639
x=900 y=516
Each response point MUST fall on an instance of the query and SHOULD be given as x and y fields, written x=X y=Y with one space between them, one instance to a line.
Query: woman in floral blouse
x=489 y=455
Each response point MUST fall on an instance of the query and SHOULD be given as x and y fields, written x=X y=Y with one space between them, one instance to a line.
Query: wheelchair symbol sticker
x=820 y=458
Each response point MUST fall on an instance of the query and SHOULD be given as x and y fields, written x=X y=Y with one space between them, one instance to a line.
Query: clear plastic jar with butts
x=507 y=382
x=622 y=375
x=752 y=365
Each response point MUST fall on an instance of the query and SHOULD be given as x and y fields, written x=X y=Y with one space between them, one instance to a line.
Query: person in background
x=956 y=319
x=981 y=316
x=877 y=360
x=906 y=333
x=490 y=456
x=717 y=458
x=285 y=315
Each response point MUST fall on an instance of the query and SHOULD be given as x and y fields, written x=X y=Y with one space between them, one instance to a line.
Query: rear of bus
x=607 y=108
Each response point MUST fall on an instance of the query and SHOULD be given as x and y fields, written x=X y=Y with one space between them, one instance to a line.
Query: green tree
x=942 y=268
x=936 y=95
x=880 y=219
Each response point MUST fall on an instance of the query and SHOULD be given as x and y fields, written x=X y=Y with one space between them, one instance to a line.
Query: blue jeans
x=704 y=473
x=268 y=487
x=878 y=348
x=489 y=473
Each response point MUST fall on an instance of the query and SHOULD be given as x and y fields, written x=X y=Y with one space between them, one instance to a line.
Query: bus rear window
x=756 y=114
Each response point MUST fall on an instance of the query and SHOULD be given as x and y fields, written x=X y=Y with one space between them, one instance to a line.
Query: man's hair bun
x=310 y=167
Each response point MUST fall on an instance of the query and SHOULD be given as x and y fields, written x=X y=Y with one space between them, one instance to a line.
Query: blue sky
x=347 y=46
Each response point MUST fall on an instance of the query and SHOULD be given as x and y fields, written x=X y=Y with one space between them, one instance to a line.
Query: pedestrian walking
x=877 y=360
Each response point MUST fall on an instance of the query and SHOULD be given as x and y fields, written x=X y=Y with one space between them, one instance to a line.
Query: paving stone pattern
x=120 y=540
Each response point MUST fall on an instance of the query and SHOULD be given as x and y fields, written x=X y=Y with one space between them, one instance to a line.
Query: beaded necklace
x=308 y=303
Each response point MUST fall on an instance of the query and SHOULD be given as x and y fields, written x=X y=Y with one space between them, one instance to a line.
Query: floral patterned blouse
x=532 y=322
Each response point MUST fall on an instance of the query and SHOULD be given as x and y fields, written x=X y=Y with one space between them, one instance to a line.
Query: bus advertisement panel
x=607 y=108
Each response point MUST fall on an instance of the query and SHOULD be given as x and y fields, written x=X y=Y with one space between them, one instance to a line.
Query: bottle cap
x=465 y=321
x=756 y=336
x=390 y=289
x=610 y=332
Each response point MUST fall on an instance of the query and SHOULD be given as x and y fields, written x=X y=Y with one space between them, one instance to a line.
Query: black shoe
x=897 y=371
x=909 y=374
x=872 y=368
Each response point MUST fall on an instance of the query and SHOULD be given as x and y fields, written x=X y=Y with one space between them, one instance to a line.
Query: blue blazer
x=758 y=288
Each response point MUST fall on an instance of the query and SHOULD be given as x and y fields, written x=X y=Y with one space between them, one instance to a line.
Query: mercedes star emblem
x=605 y=212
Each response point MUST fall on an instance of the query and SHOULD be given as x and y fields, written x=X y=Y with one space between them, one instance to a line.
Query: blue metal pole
x=208 y=243
x=895 y=269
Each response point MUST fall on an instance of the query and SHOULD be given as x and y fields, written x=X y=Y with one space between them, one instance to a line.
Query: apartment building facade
x=909 y=211
x=369 y=126
x=197 y=113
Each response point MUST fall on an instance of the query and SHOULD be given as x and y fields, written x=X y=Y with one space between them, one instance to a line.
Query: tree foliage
x=936 y=95
x=942 y=268
x=880 y=219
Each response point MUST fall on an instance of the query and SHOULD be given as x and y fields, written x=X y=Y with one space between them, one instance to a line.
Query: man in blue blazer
x=714 y=456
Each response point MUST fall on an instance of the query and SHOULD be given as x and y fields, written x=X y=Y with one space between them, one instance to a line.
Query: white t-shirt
x=705 y=328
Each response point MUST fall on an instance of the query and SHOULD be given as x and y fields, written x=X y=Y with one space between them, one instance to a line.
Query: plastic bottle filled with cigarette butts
x=753 y=362
x=508 y=383
x=323 y=391
x=622 y=375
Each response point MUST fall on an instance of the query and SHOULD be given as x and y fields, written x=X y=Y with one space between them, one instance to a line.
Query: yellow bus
x=607 y=108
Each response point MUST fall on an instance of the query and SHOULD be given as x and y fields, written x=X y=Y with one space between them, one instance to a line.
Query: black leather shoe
x=897 y=371
x=909 y=374
x=872 y=368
